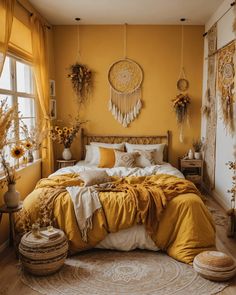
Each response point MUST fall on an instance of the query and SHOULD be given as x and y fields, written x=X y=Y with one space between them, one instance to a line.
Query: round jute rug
x=123 y=273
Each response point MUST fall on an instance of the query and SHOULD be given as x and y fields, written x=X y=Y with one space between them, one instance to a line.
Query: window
x=17 y=86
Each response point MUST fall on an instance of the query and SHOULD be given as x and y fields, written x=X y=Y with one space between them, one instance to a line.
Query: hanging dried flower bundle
x=180 y=105
x=81 y=78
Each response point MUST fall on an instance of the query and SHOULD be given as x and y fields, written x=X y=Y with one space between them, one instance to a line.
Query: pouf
x=43 y=256
x=214 y=265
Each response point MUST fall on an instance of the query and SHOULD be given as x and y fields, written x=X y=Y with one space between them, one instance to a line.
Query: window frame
x=16 y=94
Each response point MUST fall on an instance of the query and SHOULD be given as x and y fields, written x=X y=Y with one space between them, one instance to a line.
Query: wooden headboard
x=88 y=138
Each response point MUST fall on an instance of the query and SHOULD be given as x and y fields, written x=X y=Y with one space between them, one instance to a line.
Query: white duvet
x=136 y=236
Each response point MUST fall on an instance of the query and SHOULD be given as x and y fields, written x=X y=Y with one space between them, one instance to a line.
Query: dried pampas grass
x=6 y=117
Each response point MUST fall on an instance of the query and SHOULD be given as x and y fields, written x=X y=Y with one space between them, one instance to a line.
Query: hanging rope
x=182 y=72
x=125 y=41
x=78 y=43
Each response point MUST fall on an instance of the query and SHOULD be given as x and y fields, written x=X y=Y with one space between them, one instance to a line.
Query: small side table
x=65 y=163
x=10 y=212
x=192 y=170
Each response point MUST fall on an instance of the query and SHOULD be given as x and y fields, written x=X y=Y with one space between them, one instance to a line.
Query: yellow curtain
x=40 y=61
x=6 y=19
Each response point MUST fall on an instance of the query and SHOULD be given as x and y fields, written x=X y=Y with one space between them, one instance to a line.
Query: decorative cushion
x=42 y=256
x=95 y=150
x=214 y=265
x=159 y=149
x=146 y=158
x=107 y=157
x=125 y=159
x=92 y=177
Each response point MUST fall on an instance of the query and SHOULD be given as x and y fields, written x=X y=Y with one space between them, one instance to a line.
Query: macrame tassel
x=125 y=107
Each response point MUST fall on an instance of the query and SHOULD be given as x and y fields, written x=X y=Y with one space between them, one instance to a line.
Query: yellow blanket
x=171 y=209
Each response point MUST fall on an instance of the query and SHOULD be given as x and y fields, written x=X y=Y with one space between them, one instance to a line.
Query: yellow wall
x=28 y=179
x=157 y=50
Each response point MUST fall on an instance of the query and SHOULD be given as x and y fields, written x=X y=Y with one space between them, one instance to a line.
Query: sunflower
x=57 y=128
x=28 y=145
x=65 y=129
x=59 y=131
x=17 y=151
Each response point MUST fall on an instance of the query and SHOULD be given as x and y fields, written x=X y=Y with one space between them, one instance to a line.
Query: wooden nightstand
x=192 y=170
x=65 y=163
x=10 y=212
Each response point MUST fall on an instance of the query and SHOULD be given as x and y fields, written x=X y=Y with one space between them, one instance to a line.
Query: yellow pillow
x=107 y=157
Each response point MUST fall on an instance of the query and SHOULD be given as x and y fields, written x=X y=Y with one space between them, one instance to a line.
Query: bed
x=152 y=207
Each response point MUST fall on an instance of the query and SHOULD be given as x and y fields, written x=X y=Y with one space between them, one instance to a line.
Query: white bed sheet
x=136 y=236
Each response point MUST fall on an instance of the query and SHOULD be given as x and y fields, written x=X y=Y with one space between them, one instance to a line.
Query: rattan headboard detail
x=88 y=138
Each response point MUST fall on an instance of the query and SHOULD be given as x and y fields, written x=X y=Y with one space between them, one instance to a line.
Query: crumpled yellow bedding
x=171 y=209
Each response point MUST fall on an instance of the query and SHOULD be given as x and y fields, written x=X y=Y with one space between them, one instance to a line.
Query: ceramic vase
x=11 y=197
x=66 y=154
x=30 y=157
x=190 y=154
x=36 y=154
x=197 y=155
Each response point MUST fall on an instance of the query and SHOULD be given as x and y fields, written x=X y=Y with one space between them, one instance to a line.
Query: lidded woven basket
x=214 y=265
x=43 y=256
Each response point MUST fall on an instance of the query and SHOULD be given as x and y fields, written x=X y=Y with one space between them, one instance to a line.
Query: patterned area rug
x=218 y=216
x=129 y=273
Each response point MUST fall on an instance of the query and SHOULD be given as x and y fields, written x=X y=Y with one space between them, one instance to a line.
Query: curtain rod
x=231 y=5
x=30 y=12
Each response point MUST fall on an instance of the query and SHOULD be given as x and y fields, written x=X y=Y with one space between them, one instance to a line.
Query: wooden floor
x=10 y=283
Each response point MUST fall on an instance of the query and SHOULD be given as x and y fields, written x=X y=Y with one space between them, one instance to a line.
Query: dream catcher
x=125 y=78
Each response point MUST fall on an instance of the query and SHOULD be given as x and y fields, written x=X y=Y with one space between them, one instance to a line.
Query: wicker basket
x=43 y=256
x=214 y=265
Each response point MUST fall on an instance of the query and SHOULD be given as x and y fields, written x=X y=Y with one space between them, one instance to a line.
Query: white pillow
x=88 y=153
x=95 y=149
x=159 y=148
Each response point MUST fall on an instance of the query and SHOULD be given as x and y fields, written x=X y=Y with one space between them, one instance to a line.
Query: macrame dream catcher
x=125 y=78
x=226 y=84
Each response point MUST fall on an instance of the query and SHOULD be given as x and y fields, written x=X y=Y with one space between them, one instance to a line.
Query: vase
x=66 y=154
x=197 y=155
x=30 y=157
x=11 y=197
x=36 y=154
x=190 y=154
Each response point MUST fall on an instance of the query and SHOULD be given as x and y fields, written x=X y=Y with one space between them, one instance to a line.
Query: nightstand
x=10 y=212
x=192 y=170
x=65 y=163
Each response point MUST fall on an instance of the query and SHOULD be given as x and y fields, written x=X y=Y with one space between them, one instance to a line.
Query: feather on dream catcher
x=125 y=78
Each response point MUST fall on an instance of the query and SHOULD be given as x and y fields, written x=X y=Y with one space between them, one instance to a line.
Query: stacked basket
x=214 y=265
x=43 y=256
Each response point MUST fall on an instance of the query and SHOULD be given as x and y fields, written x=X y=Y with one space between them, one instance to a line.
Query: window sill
x=22 y=167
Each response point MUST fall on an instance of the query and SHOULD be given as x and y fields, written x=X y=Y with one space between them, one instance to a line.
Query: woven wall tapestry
x=226 y=83
x=125 y=78
x=211 y=103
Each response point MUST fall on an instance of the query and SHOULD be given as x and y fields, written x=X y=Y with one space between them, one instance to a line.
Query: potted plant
x=66 y=135
x=197 y=146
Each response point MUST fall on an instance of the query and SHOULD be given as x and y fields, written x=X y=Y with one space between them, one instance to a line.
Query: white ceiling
x=63 y=12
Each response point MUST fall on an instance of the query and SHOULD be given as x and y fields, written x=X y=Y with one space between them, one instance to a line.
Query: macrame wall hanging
x=226 y=84
x=125 y=78
x=182 y=100
x=209 y=110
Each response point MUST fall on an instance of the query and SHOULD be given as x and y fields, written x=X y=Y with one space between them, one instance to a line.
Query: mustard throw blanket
x=171 y=209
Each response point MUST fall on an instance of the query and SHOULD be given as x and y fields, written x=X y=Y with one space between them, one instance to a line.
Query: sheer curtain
x=6 y=20
x=40 y=61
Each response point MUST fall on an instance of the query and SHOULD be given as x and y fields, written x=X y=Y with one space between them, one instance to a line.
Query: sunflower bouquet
x=65 y=135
